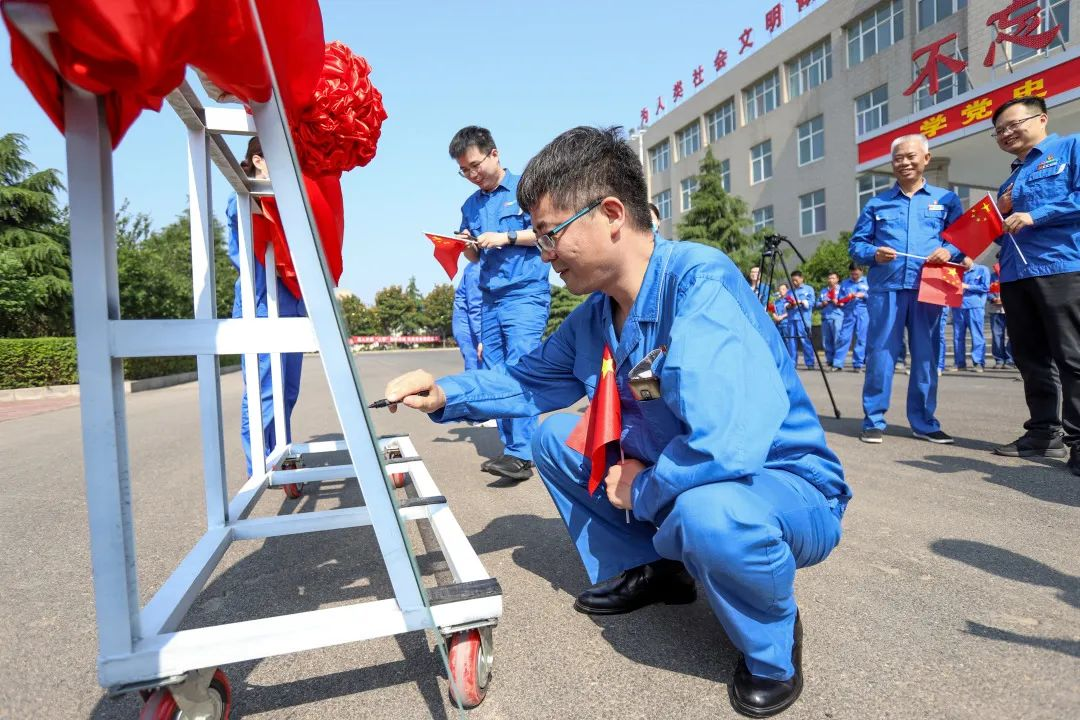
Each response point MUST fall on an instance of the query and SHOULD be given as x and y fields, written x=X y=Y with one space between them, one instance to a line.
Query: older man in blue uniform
x=726 y=470
x=1040 y=276
x=897 y=232
x=513 y=280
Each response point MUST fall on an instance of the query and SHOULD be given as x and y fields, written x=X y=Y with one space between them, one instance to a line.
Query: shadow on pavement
x=485 y=440
x=1044 y=480
x=1066 y=647
x=686 y=639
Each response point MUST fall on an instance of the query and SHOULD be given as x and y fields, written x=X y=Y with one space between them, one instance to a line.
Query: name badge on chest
x=644 y=382
x=936 y=207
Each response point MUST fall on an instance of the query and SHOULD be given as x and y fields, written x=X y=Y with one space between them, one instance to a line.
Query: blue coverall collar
x=1040 y=149
x=500 y=186
x=898 y=193
x=646 y=306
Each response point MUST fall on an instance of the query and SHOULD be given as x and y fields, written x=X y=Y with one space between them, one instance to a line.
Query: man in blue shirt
x=897 y=232
x=514 y=286
x=466 y=320
x=799 y=316
x=1000 y=345
x=761 y=289
x=970 y=318
x=726 y=470
x=832 y=320
x=1040 y=276
x=856 y=319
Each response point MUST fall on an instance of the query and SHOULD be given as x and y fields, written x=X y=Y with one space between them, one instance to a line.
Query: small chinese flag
x=447 y=252
x=942 y=285
x=601 y=424
x=975 y=229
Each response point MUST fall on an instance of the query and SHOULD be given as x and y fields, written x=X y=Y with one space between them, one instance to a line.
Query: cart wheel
x=161 y=705
x=398 y=479
x=293 y=490
x=470 y=666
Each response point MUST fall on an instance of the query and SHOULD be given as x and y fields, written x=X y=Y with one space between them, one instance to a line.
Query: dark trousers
x=1043 y=319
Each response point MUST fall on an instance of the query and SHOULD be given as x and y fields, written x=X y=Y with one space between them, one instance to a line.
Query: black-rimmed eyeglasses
x=474 y=167
x=547 y=241
x=1011 y=127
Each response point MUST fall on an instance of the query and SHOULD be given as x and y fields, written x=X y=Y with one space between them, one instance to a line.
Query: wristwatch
x=512 y=237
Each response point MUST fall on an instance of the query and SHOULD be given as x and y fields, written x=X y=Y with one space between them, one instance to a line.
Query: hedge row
x=37 y=362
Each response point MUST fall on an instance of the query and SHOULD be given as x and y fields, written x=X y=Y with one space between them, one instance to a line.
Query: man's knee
x=722 y=523
x=549 y=440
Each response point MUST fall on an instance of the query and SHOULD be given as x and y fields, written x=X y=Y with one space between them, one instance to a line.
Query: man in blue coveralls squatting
x=897 y=232
x=1040 y=276
x=726 y=470
x=513 y=280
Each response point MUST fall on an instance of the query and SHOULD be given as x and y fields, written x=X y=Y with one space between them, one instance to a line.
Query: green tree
x=35 y=265
x=439 y=310
x=392 y=308
x=415 y=319
x=359 y=318
x=720 y=219
x=562 y=303
x=830 y=256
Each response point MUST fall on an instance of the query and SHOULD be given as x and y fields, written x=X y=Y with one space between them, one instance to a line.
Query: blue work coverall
x=832 y=322
x=466 y=321
x=908 y=225
x=856 y=320
x=515 y=294
x=739 y=484
x=799 y=324
x=291 y=363
x=1000 y=343
x=970 y=318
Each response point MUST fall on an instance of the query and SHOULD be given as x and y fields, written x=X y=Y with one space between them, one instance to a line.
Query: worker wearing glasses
x=515 y=295
x=1040 y=276
x=725 y=469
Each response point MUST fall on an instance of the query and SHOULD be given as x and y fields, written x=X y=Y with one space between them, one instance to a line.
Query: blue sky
x=525 y=73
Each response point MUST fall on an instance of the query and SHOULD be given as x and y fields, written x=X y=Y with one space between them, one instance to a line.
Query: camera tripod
x=770 y=252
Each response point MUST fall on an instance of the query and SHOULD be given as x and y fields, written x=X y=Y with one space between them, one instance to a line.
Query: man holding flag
x=897 y=233
x=853 y=290
x=832 y=319
x=513 y=280
x=698 y=424
x=1040 y=276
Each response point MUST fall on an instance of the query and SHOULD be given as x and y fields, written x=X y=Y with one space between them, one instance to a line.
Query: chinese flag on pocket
x=942 y=285
x=975 y=229
x=601 y=424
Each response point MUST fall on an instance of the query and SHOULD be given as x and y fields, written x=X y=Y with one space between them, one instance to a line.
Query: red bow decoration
x=601 y=424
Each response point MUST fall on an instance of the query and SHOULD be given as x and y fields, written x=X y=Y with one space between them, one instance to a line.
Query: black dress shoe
x=511 y=468
x=663 y=581
x=759 y=697
x=486 y=465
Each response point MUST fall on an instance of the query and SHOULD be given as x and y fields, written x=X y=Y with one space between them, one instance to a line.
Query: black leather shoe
x=1074 y=460
x=759 y=697
x=1033 y=446
x=511 y=468
x=663 y=581
x=486 y=465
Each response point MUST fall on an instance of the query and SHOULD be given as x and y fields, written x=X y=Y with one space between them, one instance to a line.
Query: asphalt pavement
x=955 y=592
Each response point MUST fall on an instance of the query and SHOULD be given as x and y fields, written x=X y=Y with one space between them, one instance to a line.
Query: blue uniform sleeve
x=1065 y=209
x=540 y=382
x=721 y=380
x=955 y=210
x=981 y=282
x=861 y=247
x=234 y=232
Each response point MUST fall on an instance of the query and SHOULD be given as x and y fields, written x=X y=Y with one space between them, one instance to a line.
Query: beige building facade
x=798 y=126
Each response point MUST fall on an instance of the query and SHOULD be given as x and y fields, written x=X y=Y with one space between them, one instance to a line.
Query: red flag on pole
x=601 y=424
x=976 y=228
x=447 y=251
x=942 y=285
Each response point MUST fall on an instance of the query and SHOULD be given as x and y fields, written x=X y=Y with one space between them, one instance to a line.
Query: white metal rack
x=141 y=647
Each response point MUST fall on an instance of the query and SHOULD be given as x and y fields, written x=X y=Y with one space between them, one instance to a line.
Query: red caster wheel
x=470 y=660
x=398 y=479
x=161 y=705
x=293 y=490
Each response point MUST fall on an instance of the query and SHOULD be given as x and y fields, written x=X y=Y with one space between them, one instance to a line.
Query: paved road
x=955 y=593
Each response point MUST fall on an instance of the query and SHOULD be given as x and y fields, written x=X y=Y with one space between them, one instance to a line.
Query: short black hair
x=583 y=165
x=654 y=210
x=853 y=266
x=833 y=272
x=471 y=136
x=797 y=273
x=1035 y=103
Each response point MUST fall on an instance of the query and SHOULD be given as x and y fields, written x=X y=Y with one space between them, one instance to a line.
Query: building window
x=660 y=157
x=810 y=69
x=1054 y=12
x=932 y=11
x=964 y=193
x=812 y=140
x=763 y=96
x=870 y=185
x=762 y=217
x=950 y=85
x=812 y=213
x=689 y=139
x=872 y=110
x=662 y=201
x=688 y=187
x=721 y=120
x=761 y=162
x=875 y=31
x=725 y=175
